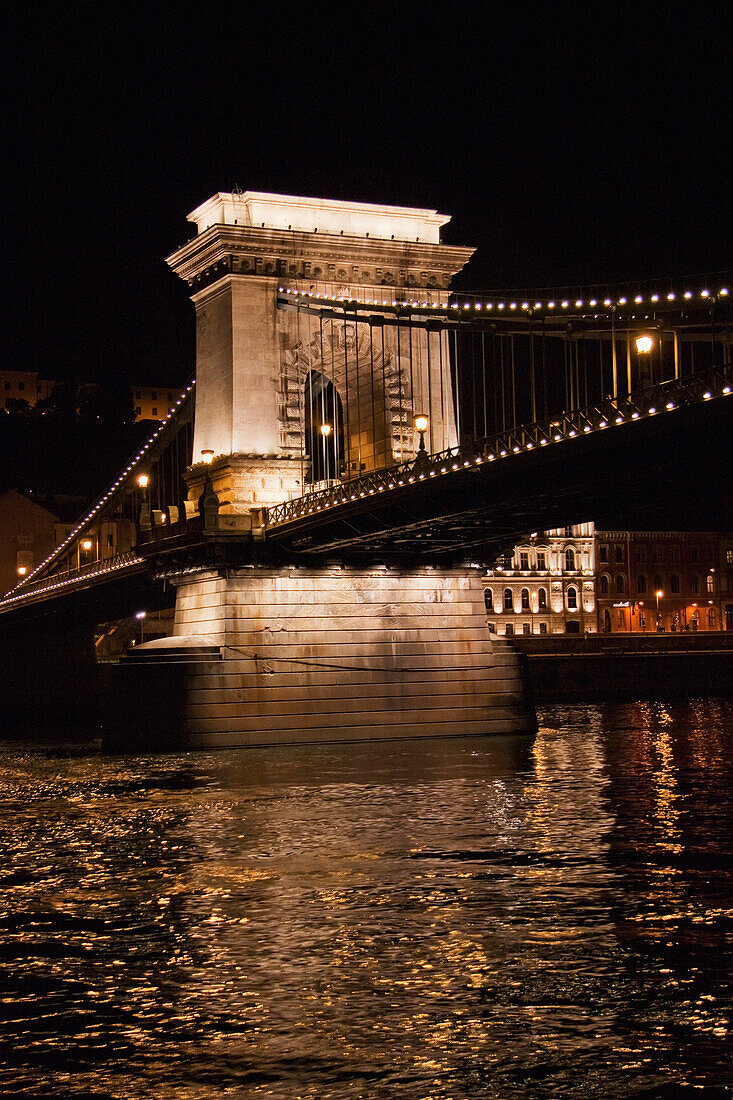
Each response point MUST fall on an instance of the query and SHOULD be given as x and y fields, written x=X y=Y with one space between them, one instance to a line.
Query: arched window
x=620 y=583
x=711 y=618
x=525 y=599
x=323 y=409
x=606 y=621
x=710 y=583
x=674 y=584
x=641 y=583
x=569 y=559
x=605 y=584
x=696 y=585
x=542 y=599
x=572 y=599
x=508 y=605
x=489 y=599
x=658 y=583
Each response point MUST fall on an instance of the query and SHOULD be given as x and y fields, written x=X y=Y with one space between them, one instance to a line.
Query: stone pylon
x=267 y=375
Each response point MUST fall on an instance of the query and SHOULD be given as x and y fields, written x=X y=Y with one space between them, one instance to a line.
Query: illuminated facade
x=153 y=402
x=547 y=586
x=651 y=581
x=23 y=385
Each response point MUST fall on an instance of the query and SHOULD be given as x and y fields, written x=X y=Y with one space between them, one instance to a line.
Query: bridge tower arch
x=252 y=358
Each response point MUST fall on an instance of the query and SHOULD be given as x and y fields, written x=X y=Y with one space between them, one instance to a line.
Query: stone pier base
x=305 y=655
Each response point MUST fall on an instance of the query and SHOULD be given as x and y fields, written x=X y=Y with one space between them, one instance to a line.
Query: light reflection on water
x=438 y=919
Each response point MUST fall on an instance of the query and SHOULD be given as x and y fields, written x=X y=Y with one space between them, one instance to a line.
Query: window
x=489 y=599
x=694 y=553
x=155 y=411
x=621 y=620
x=572 y=599
x=604 y=554
x=641 y=583
x=523 y=559
x=7 y=385
x=655 y=553
x=710 y=583
x=675 y=553
x=619 y=550
x=696 y=585
x=542 y=561
x=492 y=628
x=21 y=386
x=658 y=582
x=543 y=628
x=641 y=553
x=171 y=396
x=508 y=604
x=542 y=599
x=154 y=395
x=526 y=628
x=570 y=559
x=525 y=599
x=711 y=618
x=138 y=411
x=642 y=620
x=729 y=555
x=509 y=629
x=620 y=583
x=674 y=584
x=604 y=585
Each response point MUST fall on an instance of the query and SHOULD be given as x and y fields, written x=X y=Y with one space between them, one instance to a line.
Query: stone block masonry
x=343 y=654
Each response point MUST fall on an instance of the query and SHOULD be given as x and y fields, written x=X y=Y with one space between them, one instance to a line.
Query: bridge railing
x=654 y=400
x=71 y=576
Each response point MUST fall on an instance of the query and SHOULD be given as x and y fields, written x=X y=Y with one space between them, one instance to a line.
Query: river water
x=456 y=918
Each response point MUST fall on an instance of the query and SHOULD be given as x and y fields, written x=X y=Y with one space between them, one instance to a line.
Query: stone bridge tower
x=253 y=360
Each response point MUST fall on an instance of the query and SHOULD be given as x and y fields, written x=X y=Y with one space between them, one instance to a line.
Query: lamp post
x=325 y=431
x=140 y=616
x=143 y=481
x=421 y=423
x=644 y=345
x=659 y=593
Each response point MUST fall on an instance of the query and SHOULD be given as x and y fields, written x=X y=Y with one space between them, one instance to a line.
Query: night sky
x=572 y=144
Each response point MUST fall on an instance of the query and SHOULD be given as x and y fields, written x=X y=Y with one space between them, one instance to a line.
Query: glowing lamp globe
x=644 y=344
x=421 y=423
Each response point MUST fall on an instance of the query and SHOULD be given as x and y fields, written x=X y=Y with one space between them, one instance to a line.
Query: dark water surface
x=468 y=918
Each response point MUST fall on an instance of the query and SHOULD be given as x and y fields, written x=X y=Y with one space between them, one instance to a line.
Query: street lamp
x=644 y=344
x=140 y=616
x=421 y=422
x=143 y=481
x=659 y=593
x=207 y=456
x=325 y=430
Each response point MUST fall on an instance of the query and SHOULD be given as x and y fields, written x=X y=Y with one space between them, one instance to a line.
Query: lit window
x=572 y=599
x=710 y=583
x=570 y=559
x=711 y=618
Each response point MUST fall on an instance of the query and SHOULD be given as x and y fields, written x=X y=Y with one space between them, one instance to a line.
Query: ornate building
x=651 y=581
x=547 y=586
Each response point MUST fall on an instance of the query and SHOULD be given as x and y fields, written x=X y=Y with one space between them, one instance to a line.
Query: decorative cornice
x=320 y=257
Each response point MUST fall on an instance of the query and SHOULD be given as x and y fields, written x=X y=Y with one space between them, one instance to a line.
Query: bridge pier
x=330 y=654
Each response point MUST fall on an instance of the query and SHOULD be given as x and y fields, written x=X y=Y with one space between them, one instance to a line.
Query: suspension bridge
x=359 y=442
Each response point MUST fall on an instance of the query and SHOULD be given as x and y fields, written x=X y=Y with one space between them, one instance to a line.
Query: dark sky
x=573 y=143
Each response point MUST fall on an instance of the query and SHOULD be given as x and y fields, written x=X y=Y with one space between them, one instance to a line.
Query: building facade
x=23 y=385
x=726 y=581
x=153 y=402
x=666 y=581
x=547 y=586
